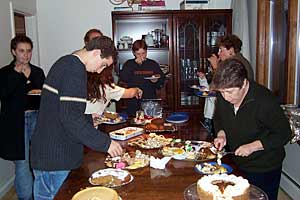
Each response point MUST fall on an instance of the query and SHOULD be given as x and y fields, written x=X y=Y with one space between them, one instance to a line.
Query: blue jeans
x=24 y=176
x=47 y=183
x=267 y=181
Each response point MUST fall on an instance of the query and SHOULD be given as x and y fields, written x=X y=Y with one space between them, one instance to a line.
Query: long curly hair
x=96 y=84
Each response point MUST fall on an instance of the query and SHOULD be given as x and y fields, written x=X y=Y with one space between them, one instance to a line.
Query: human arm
x=220 y=140
x=10 y=80
x=72 y=96
x=159 y=81
x=214 y=61
x=132 y=92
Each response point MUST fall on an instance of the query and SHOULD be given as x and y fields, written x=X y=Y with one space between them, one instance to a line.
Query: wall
x=252 y=6
x=24 y=6
x=61 y=29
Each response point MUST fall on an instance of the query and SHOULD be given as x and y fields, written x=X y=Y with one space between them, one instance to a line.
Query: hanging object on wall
x=129 y=2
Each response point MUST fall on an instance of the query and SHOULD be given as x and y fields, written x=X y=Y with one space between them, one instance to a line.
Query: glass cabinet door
x=189 y=52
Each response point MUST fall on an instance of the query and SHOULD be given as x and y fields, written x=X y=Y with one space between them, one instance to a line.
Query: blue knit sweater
x=62 y=128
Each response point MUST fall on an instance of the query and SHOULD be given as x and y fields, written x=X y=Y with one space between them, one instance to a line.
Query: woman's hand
x=115 y=149
x=220 y=140
x=214 y=61
x=247 y=149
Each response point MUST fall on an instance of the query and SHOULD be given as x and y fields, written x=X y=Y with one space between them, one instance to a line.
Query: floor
x=11 y=195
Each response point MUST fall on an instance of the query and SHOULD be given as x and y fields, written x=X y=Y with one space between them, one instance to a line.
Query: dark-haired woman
x=19 y=111
x=101 y=90
x=136 y=70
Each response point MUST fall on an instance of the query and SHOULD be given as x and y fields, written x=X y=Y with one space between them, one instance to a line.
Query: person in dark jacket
x=18 y=81
x=249 y=120
x=62 y=128
x=141 y=72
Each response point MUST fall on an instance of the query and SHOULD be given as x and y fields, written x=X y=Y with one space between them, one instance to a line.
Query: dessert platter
x=213 y=168
x=223 y=187
x=151 y=141
x=110 y=177
x=95 y=193
x=126 y=133
x=129 y=161
x=112 y=118
x=190 y=151
x=159 y=125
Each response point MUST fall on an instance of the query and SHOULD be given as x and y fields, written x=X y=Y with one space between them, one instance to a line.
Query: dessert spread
x=153 y=141
x=132 y=160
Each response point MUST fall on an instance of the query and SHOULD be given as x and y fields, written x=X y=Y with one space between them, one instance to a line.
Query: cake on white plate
x=223 y=187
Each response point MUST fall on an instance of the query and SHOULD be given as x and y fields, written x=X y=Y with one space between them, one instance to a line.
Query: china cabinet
x=180 y=41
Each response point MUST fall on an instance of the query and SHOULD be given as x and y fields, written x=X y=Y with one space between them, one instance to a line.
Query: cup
x=140 y=115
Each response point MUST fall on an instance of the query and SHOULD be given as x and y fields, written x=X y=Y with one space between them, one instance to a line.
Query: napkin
x=158 y=163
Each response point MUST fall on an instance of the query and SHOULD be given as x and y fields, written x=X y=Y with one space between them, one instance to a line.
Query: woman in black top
x=19 y=111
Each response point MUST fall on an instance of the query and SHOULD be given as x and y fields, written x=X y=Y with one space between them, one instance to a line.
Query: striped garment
x=62 y=128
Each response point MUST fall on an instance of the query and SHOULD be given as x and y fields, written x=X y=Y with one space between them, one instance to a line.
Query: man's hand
x=114 y=149
x=155 y=78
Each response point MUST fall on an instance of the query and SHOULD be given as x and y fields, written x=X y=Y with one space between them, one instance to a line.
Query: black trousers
x=267 y=181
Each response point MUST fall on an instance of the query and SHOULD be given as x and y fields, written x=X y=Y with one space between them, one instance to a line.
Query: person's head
x=92 y=33
x=101 y=54
x=230 y=79
x=98 y=82
x=21 y=48
x=139 y=49
x=229 y=45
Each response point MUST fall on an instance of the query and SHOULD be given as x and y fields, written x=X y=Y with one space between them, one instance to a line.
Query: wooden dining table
x=148 y=183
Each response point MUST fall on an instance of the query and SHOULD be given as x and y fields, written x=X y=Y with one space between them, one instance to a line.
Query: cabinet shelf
x=188 y=42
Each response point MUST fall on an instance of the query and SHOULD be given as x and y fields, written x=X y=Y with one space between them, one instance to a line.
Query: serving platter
x=219 y=169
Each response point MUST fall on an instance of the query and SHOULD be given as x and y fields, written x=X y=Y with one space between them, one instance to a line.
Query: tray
x=167 y=128
x=190 y=193
x=126 y=133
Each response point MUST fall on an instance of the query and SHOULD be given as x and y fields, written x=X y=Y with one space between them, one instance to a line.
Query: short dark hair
x=139 y=44
x=229 y=41
x=230 y=73
x=105 y=44
x=87 y=35
x=20 y=39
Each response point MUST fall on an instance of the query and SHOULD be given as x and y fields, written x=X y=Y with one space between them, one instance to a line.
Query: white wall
x=6 y=167
x=23 y=6
x=252 y=6
x=62 y=24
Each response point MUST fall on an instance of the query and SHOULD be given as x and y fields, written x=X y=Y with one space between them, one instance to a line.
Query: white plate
x=119 y=173
x=152 y=77
x=34 y=94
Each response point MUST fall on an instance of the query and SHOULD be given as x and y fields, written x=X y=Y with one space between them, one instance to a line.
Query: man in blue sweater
x=62 y=128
